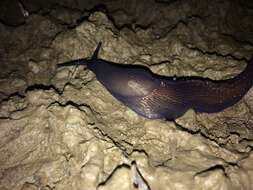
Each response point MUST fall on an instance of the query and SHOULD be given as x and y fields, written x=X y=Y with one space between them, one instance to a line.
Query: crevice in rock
x=113 y=172
x=138 y=179
x=213 y=168
x=215 y=53
x=182 y=128
x=70 y=103
x=43 y=87
x=116 y=144
x=15 y=94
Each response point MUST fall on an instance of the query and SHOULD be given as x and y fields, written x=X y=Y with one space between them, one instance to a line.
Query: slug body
x=154 y=96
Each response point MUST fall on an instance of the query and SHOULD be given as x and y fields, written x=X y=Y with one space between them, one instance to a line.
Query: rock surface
x=61 y=129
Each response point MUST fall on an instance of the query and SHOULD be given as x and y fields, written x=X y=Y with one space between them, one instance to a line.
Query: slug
x=154 y=96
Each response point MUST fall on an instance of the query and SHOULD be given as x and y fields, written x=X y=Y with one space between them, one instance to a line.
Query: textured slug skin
x=154 y=96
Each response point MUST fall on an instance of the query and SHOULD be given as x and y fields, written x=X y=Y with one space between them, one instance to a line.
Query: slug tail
x=214 y=96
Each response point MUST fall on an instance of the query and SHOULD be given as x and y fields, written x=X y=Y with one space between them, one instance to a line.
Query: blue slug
x=154 y=96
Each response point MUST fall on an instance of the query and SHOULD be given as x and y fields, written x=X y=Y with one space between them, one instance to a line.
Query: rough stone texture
x=11 y=12
x=63 y=130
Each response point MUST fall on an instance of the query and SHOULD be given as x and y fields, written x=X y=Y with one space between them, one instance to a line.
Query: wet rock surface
x=61 y=129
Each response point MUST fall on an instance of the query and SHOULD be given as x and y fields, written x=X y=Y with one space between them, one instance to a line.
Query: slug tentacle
x=83 y=61
x=74 y=62
x=95 y=54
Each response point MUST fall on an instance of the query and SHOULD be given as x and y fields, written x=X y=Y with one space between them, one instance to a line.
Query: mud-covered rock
x=66 y=131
